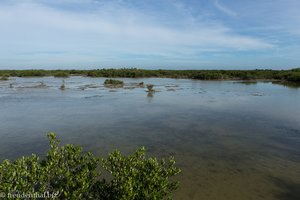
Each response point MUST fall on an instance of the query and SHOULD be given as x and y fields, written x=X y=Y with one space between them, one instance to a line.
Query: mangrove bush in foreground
x=68 y=173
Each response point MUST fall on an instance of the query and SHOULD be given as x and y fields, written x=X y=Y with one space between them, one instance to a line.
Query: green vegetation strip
x=292 y=75
x=71 y=174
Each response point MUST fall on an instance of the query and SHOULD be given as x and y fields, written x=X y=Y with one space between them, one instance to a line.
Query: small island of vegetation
x=113 y=83
x=4 y=77
x=150 y=88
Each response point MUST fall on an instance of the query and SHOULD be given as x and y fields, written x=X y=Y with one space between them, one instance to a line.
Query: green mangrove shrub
x=61 y=74
x=137 y=177
x=150 y=88
x=69 y=173
x=65 y=171
x=62 y=86
x=113 y=83
x=4 y=77
x=141 y=84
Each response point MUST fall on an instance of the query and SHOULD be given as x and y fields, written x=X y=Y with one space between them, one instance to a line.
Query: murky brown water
x=231 y=140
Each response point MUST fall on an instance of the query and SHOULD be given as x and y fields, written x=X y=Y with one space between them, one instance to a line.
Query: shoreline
x=216 y=75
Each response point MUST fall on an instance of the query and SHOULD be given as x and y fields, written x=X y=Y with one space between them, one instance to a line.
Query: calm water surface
x=233 y=141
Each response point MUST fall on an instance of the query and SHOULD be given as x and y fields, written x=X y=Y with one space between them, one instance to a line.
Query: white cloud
x=112 y=30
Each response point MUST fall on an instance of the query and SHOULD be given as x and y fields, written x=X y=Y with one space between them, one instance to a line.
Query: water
x=231 y=140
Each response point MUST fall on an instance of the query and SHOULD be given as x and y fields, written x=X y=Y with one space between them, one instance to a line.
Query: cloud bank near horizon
x=145 y=34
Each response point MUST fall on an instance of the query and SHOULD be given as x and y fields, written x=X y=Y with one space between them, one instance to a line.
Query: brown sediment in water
x=216 y=180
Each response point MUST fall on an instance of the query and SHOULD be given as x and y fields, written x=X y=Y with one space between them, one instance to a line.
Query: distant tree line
x=292 y=75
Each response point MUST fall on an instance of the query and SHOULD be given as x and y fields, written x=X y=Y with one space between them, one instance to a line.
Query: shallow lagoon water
x=231 y=140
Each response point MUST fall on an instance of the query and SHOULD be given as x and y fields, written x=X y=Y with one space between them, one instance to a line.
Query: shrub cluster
x=113 y=82
x=72 y=174
x=4 y=78
x=61 y=74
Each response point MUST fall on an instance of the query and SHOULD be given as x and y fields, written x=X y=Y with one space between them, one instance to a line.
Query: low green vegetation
x=61 y=74
x=4 y=78
x=113 y=83
x=69 y=173
x=150 y=88
x=141 y=84
x=292 y=75
x=62 y=86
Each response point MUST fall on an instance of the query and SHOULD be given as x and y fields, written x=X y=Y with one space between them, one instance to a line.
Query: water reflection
x=150 y=96
x=292 y=85
x=228 y=141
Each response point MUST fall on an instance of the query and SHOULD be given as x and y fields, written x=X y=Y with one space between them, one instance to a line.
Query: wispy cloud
x=224 y=9
x=121 y=26
x=118 y=33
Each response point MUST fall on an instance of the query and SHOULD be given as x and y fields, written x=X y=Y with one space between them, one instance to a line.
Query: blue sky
x=169 y=34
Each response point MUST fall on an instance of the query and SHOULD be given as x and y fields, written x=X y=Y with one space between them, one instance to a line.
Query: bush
x=65 y=171
x=113 y=83
x=208 y=76
x=30 y=73
x=150 y=88
x=136 y=177
x=71 y=174
x=295 y=77
x=62 y=86
x=4 y=78
x=61 y=75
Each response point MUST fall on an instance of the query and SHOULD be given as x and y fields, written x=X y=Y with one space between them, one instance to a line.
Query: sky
x=150 y=34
